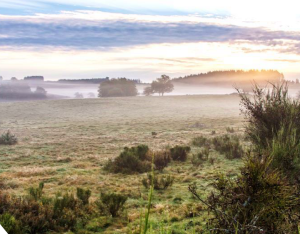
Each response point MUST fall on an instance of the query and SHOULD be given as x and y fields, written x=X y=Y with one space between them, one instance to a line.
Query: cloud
x=71 y=30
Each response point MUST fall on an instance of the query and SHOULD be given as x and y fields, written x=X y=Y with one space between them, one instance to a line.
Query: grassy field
x=65 y=143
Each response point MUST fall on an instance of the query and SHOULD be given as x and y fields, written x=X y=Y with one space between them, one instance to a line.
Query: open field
x=65 y=143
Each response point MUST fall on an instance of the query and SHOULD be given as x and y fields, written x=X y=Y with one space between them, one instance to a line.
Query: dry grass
x=66 y=142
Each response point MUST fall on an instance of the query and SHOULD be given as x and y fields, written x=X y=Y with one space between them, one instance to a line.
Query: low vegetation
x=8 y=138
x=121 y=87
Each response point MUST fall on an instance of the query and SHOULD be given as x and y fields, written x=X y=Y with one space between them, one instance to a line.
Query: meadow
x=66 y=143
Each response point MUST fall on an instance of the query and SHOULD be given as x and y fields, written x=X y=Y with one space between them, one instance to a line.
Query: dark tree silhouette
x=162 y=85
x=121 y=87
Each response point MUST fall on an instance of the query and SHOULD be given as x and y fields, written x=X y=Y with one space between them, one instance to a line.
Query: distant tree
x=1 y=78
x=13 y=79
x=162 y=85
x=78 y=95
x=121 y=87
x=148 y=91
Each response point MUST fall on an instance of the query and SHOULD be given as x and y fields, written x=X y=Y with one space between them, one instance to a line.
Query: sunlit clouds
x=90 y=43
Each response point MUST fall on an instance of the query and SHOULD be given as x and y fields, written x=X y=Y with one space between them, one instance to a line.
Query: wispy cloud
x=74 y=31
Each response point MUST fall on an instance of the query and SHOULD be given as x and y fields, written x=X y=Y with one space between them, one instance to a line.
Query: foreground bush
x=112 y=203
x=200 y=157
x=160 y=182
x=180 y=153
x=259 y=200
x=37 y=214
x=8 y=138
x=9 y=223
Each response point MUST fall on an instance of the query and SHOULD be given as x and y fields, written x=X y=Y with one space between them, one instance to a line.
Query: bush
x=66 y=210
x=159 y=182
x=200 y=141
x=9 y=223
x=179 y=153
x=268 y=111
x=200 y=157
x=229 y=146
x=131 y=160
x=259 y=200
x=161 y=159
x=112 y=203
x=229 y=130
x=8 y=138
x=84 y=195
x=36 y=193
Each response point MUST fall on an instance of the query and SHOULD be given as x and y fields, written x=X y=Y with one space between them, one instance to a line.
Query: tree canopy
x=120 y=87
x=161 y=86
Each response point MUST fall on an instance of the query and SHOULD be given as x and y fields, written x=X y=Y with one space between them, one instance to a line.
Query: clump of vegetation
x=200 y=141
x=121 y=87
x=131 y=160
x=8 y=138
x=112 y=203
x=84 y=195
x=230 y=130
x=200 y=157
x=36 y=193
x=161 y=159
x=260 y=200
x=229 y=146
x=160 y=182
x=274 y=127
x=9 y=223
x=180 y=153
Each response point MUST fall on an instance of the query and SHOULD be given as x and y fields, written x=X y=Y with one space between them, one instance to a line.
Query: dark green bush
x=161 y=159
x=84 y=195
x=229 y=146
x=9 y=223
x=200 y=141
x=179 y=153
x=112 y=203
x=120 y=87
x=260 y=200
x=131 y=160
x=8 y=138
x=160 y=182
x=268 y=111
x=36 y=193
x=200 y=157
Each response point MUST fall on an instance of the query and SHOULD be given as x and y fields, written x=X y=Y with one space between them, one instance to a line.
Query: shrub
x=259 y=200
x=8 y=138
x=200 y=157
x=229 y=130
x=112 y=203
x=229 y=146
x=84 y=195
x=159 y=182
x=268 y=111
x=36 y=193
x=179 y=153
x=131 y=160
x=161 y=159
x=66 y=210
x=200 y=141
x=9 y=223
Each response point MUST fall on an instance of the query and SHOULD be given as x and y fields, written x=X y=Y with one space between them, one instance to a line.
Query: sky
x=142 y=39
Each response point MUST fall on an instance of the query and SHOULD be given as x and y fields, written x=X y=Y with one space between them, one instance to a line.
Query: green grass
x=66 y=143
